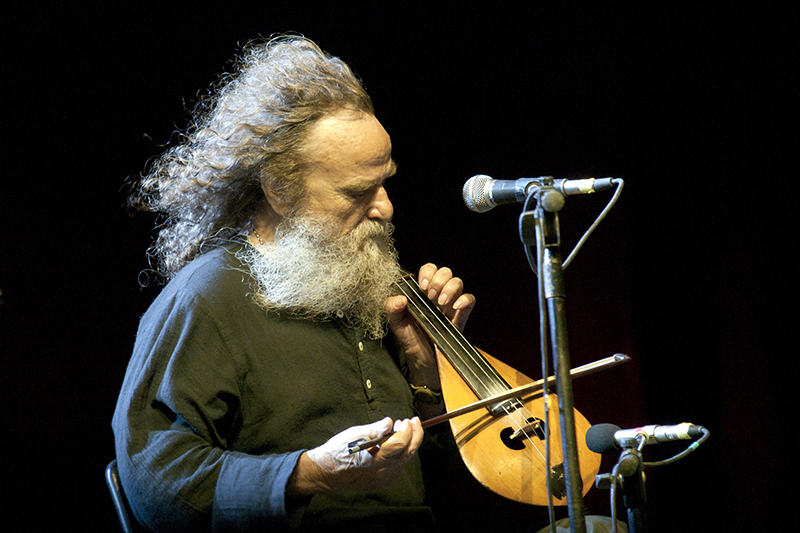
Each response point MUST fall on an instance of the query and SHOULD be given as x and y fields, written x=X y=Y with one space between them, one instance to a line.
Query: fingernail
x=423 y=284
x=443 y=299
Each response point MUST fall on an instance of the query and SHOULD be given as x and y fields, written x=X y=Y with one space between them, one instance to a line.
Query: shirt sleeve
x=178 y=412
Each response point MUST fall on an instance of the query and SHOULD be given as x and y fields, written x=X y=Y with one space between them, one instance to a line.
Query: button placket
x=367 y=382
x=363 y=363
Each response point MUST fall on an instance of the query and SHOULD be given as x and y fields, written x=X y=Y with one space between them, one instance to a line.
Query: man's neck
x=264 y=224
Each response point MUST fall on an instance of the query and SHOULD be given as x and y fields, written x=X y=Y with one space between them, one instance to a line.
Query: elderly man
x=277 y=340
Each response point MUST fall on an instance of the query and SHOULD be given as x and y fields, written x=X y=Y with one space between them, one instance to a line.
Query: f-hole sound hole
x=515 y=438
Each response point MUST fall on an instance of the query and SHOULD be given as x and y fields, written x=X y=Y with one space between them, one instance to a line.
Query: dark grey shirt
x=221 y=398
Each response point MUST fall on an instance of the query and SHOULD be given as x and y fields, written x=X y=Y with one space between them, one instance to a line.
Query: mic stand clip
x=628 y=474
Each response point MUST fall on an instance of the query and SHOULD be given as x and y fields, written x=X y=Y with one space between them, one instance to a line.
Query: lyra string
x=476 y=371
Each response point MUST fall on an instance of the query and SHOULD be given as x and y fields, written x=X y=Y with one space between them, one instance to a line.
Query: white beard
x=309 y=271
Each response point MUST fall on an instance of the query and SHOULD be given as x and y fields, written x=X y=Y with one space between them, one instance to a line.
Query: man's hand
x=447 y=293
x=332 y=467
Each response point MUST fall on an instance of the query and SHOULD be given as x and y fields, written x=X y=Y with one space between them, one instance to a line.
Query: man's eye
x=360 y=195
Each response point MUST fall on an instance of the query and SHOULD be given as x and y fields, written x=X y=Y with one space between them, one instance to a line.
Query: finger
x=450 y=292
x=417 y=434
x=403 y=427
x=426 y=273
x=463 y=308
x=437 y=282
x=398 y=443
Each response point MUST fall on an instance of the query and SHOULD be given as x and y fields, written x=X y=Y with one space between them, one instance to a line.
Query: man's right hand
x=332 y=467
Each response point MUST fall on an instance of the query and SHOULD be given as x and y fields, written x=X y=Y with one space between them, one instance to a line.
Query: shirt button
x=339 y=313
x=369 y=384
x=361 y=346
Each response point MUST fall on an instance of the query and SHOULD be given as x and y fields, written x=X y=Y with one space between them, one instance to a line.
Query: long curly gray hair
x=245 y=138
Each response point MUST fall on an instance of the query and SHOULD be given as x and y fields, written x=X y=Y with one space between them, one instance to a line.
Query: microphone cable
x=532 y=261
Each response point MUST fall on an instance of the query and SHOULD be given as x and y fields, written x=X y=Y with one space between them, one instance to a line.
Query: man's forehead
x=355 y=137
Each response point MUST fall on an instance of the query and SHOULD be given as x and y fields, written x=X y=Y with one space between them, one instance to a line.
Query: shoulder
x=220 y=266
x=213 y=277
x=217 y=283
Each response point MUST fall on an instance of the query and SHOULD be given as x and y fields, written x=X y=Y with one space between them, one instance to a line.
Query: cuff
x=251 y=489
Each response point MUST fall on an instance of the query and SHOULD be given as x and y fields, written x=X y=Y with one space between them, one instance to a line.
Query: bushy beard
x=310 y=271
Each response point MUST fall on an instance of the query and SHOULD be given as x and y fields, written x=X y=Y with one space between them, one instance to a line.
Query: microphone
x=608 y=438
x=482 y=193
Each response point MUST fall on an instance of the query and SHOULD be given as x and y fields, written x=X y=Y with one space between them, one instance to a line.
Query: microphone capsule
x=476 y=193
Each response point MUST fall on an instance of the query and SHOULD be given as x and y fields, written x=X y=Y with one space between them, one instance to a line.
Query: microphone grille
x=600 y=438
x=476 y=195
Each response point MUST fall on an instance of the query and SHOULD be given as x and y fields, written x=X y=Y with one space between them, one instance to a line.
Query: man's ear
x=276 y=203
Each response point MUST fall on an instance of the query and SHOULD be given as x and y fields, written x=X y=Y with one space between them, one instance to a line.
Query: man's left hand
x=447 y=293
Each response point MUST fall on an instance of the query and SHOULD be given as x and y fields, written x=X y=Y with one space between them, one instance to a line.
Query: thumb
x=395 y=307
x=380 y=428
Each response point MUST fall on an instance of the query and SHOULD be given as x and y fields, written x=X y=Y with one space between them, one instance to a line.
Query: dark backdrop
x=690 y=105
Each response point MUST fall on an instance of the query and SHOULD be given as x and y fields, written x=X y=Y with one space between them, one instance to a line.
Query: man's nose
x=381 y=207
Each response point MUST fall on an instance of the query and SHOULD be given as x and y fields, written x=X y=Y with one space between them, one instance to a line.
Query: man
x=267 y=352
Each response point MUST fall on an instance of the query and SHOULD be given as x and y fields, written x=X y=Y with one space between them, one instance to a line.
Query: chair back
x=124 y=513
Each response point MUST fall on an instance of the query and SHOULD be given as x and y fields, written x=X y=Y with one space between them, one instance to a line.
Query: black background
x=692 y=105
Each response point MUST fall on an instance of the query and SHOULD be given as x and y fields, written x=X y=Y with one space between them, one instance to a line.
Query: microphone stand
x=540 y=227
x=629 y=470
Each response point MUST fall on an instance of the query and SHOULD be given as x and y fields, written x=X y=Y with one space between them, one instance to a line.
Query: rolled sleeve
x=251 y=489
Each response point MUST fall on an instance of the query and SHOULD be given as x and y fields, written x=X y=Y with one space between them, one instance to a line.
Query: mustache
x=372 y=229
x=324 y=231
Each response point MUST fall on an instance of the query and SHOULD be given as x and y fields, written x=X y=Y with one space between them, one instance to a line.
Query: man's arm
x=176 y=415
x=178 y=411
x=447 y=293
